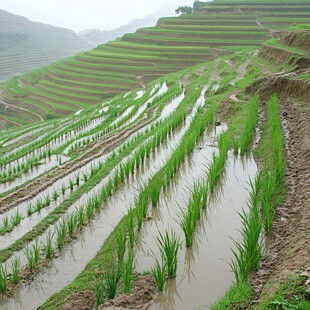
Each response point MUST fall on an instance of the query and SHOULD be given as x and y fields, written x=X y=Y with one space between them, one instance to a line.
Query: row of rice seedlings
x=249 y=250
x=188 y=218
x=249 y=130
x=218 y=162
x=9 y=224
x=169 y=245
x=106 y=191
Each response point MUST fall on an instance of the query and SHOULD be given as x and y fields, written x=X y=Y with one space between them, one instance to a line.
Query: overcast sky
x=84 y=14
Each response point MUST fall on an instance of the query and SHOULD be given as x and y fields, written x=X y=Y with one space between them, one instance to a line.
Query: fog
x=88 y=14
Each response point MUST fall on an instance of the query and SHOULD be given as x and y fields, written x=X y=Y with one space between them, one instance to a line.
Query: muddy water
x=29 y=222
x=76 y=255
x=203 y=270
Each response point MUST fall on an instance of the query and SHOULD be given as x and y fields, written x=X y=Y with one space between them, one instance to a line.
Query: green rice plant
x=81 y=216
x=39 y=205
x=61 y=232
x=121 y=242
x=85 y=176
x=99 y=290
x=89 y=210
x=131 y=227
x=47 y=246
x=112 y=279
x=30 y=256
x=154 y=190
x=236 y=146
x=169 y=246
x=72 y=221
x=63 y=189
x=15 y=266
x=250 y=125
x=36 y=252
x=159 y=274
x=188 y=224
x=267 y=189
x=29 y=209
x=249 y=250
x=5 y=223
x=55 y=195
x=77 y=179
x=71 y=184
x=47 y=200
x=128 y=273
x=16 y=219
x=3 y=279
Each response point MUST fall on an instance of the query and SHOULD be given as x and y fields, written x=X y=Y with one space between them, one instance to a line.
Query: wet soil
x=288 y=246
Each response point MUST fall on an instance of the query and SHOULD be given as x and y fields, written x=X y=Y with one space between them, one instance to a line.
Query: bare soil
x=288 y=248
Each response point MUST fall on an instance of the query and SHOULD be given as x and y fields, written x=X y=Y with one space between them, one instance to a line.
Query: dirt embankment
x=298 y=38
x=288 y=247
x=140 y=297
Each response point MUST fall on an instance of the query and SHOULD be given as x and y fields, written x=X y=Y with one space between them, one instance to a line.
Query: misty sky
x=84 y=14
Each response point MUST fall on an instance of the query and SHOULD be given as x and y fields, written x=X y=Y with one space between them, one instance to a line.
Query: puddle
x=203 y=271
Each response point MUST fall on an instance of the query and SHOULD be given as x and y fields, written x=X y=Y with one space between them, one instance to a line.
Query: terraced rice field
x=78 y=82
x=163 y=191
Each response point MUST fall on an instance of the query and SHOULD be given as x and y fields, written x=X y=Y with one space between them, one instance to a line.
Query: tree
x=196 y=6
x=184 y=10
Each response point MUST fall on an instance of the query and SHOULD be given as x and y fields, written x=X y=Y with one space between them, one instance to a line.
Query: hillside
x=191 y=193
x=25 y=45
x=130 y=62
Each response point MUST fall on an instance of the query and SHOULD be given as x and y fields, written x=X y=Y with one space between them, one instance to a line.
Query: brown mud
x=288 y=246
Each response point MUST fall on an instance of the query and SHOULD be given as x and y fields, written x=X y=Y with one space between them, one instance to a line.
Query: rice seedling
x=61 y=232
x=169 y=246
x=121 y=242
x=16 y=219
x=81 y=216
x=71 y=184
x=85 y=176
x=112 y=279
x=249 y=250
x=268 y=186
x=236 y=146
x=99 y=290
x=89 y=210
x=29 y=209
x=47 y=200
x=3 y=279
x=249 y=129
x=77 y=179
x=30 y=256
x=39 y=205
x=15 y=266
x=5 y=223
x=159 y=274
x=55 y=195
x=72 y=221
x=131 y=227
x=63 y=189
x=47 y=246
x=128 y=273
x=36 y=252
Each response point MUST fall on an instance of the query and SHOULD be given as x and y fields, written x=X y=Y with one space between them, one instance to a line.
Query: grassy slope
x=175 y=43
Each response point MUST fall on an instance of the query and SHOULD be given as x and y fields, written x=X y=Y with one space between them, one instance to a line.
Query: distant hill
x=97 y=36
x=26 y=45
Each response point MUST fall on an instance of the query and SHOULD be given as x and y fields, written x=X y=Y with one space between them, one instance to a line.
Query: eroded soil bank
x=289 y=247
